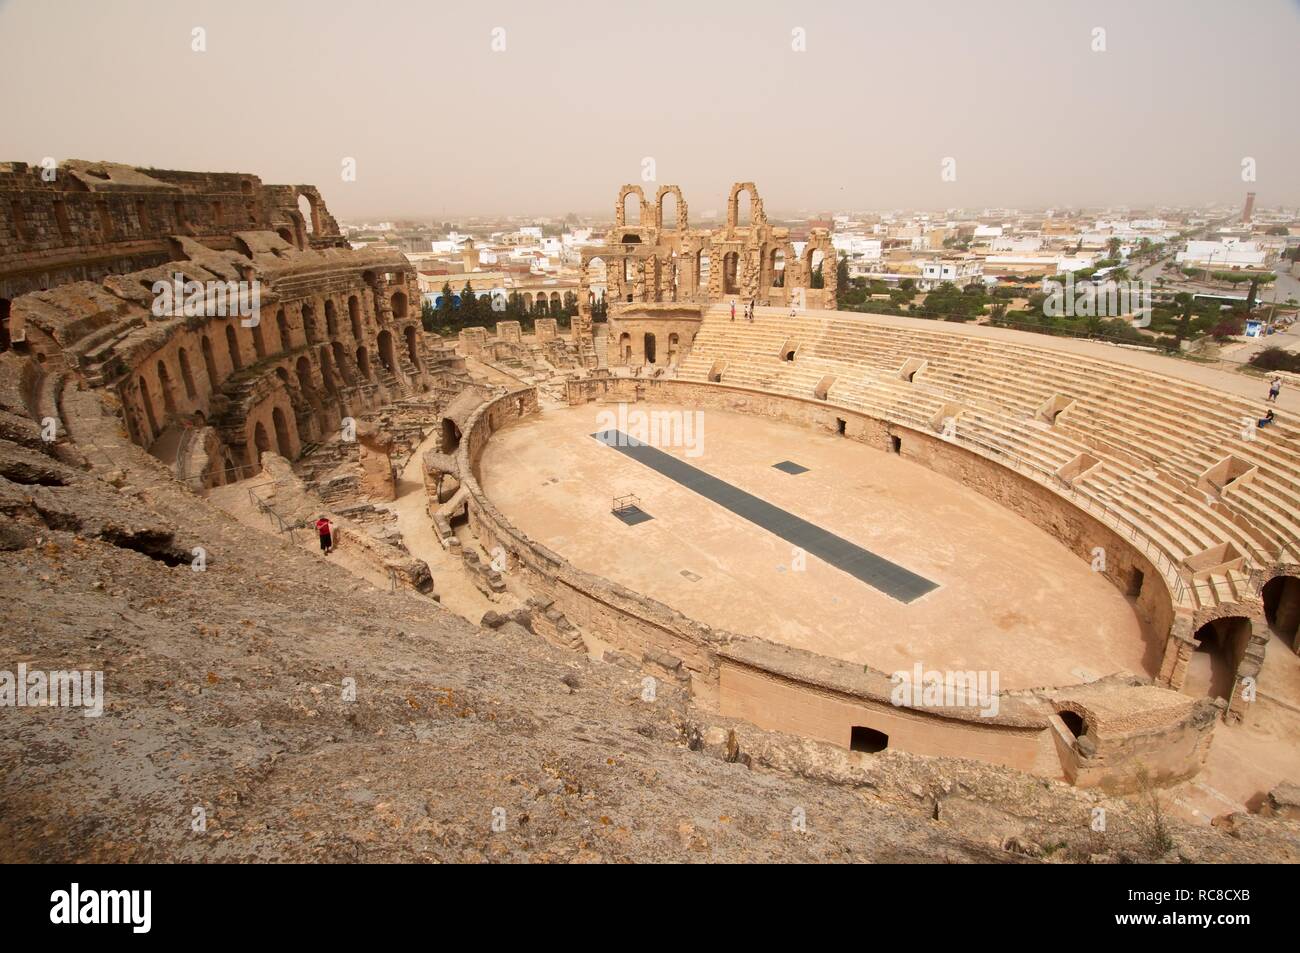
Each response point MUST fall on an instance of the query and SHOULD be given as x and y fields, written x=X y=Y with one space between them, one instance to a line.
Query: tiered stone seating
x=1155 y=435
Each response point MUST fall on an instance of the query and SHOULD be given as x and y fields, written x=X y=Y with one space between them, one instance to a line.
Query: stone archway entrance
x=1221 y=645
x=649 y=348
x=1281 y=596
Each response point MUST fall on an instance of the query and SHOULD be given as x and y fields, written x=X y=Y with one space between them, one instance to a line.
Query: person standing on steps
x=733 y=309
x=1274 y=388
x=326 y=535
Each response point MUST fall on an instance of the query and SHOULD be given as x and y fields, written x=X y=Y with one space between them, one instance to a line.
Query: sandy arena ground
x=1010 y=599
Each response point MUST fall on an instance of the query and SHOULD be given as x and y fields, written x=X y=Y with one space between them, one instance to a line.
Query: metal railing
x=272 y=514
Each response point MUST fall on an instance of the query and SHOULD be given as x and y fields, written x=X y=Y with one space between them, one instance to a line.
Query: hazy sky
x=441 y=124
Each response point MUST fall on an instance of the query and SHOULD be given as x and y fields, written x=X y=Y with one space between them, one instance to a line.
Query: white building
x=959 y=271
x=1229 y=253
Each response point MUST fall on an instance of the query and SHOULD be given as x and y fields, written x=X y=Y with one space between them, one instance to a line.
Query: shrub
x=1276 y=359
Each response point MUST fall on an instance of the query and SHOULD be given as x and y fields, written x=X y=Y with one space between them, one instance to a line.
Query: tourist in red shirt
x=326 y=537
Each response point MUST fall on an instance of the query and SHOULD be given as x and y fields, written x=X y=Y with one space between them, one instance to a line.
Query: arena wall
x=780 y=688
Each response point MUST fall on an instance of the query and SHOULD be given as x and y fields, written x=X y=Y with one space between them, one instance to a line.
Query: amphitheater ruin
x=1104 y=531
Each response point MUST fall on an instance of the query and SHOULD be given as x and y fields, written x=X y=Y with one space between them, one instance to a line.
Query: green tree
x=469 y=309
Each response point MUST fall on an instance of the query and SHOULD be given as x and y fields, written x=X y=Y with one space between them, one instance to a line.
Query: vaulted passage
x=1221 y=645
x=1282 y=607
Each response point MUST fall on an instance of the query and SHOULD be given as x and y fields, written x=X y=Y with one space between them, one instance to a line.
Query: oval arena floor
x=1006 y=597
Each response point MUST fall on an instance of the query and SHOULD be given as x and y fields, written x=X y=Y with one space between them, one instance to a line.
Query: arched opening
x=667 y=220
x=387 y=356
x=744 y=207
x=4 y=324
x=261 y=443
x=331 y=320
x=1074 y=722
x=635 y=218
x=1221 y=645
x=187 y=376
x=148 y=412
x=672 y=348
x=363 y=362
x=1281 y=596
x=862 y=738
x=649 y=348
x=209 y=363
x=310 y=217
x=283 y=441
x=165 y=385
x=309 y=323
x=542 y=304
x=327 y=369
x=731 y=273
x=354 y=316
x=625 y=347
x=702 y=269
x=398 y=302
x=776 y=267
x=815 y=257
x=413 y=345
x=259 y=343
x=282 y=326
x=555 y=302
x=305 y=382
x=341 y=364
x=285 y=234
x=232 y=345
x=450 y=435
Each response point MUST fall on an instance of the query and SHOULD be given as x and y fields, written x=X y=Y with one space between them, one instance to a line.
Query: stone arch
x=731 y=273
x=303 y=368
x=341 y=364
x=327 y=369
x=283 y=436
x=261 y=444
x=209 y=363
x=776 y=275
x=625 y=348
x=1281 y=598
x=620 y=209
x=556 y=302
x=673 y=348
x=165 y=387
x=679 y=208
x=413 y=345
x=232 y=346
x=331 y=319
x=354 y=315
x=450 y=436
x=398 y=303
x=259 y=344
x=151 y=420
x=282 y=326
x=310 y=212
x=187 y=375
x=756 y=214
x=1220 y=647
x=363 y=361
x=309 y=323
x=649 y=344
x=387 y=356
